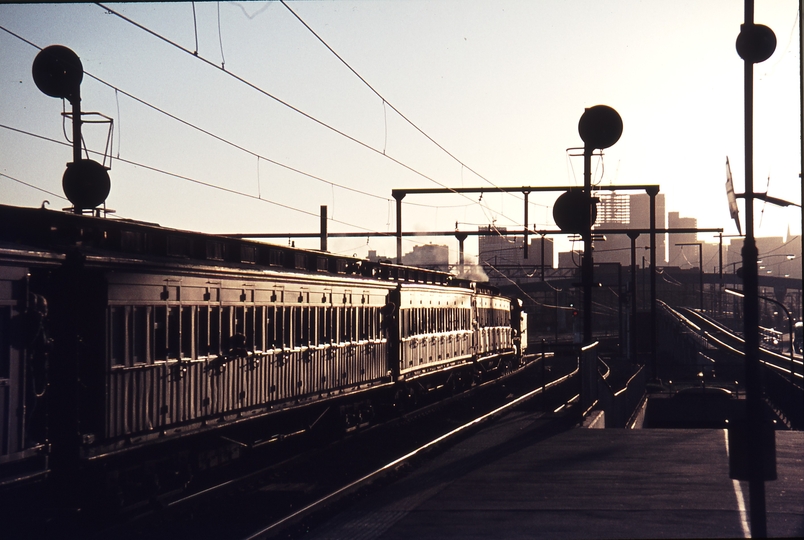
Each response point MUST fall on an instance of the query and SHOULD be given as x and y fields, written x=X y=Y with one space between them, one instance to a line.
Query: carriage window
x=245 y=325
x=329 y=326
x=160 y=333
x=227 y=328
x=298 y=324
x=276 y=327
x=270 y=327
x=287 y=327
x=202 y=335
x=239 y=320
x=173 y=333
x=344 y=324
x=187 y=327
x=308 y=326
x=365 y=322
x=140 y=334
x=117 y=333
x=259 y=328
x=214 y=330
x=404 y=317
x=320 y=330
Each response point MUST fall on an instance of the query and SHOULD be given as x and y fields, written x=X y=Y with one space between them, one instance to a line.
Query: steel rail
x=296 y=516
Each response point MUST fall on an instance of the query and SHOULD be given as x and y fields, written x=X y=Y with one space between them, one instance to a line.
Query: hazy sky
x=499 y=85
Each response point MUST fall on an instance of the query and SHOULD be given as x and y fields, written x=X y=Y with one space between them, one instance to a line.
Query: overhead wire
x=285 y=103
x=384 y=100
x=189 y=179
x=268 y=94
x=33 y=186
x=184 y=178
x=205 y=131
x=226 y=141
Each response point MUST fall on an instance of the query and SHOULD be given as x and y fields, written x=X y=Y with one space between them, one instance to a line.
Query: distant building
x=434 y=257
x=506 y=252
x=779 y=258
x=570 y=259
x=373 y=257
x=683 y=256
x=616 y=210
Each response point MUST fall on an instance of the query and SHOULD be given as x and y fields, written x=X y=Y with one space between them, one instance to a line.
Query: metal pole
x=587 y=263
x=461 y=236
x=75 y=100
x=632 y=325
x=801 y=140
x=753 y=390
x=525 y=248
x=542 y=261
x=323 y=227
x=398 y=196
x=652 y=191
x=701 y=274
x=76 y=103
x=621 y=325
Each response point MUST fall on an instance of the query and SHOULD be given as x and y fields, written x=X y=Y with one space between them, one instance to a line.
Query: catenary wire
x=385 y=101
x=222 y=139
x=189 y=179
x=280 y=101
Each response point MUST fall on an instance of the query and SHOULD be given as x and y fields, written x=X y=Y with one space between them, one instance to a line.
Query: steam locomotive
x=129 y=351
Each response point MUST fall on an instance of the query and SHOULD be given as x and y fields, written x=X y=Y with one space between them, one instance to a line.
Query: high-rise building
x=506 y=252
x=434 y=257
x=621 y=211
x=683 y=256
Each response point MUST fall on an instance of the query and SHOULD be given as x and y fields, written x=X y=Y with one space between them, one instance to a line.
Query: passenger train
x=130 y=351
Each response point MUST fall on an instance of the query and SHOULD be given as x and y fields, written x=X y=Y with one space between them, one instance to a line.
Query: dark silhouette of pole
x=755 y=43
x=323 y=227
x=525 y=244
x=461 y=236
x=398 y=196
x=654 y=330
x=632 y=324
x=542 y=260
x=700 y=270
x=587 y=265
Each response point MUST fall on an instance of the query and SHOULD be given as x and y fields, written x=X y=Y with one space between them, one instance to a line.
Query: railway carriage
x=157 y=335
x=23 y=366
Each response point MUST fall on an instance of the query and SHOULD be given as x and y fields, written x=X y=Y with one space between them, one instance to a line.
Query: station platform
x=515 y=479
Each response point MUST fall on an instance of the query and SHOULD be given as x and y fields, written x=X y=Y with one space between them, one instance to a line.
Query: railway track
x=720 y=336
x=281 y=491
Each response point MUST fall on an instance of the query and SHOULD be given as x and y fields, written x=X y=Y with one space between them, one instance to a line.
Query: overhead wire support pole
x=398 y=196
x=525 y=226
x=587 y=265
x=654 y=330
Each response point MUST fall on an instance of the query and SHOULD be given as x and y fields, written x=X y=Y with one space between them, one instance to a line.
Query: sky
x=272 y=110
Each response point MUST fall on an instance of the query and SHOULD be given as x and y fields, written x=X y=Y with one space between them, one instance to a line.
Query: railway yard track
x=281 y=490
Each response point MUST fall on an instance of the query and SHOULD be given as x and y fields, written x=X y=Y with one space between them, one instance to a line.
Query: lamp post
x=700 y=264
